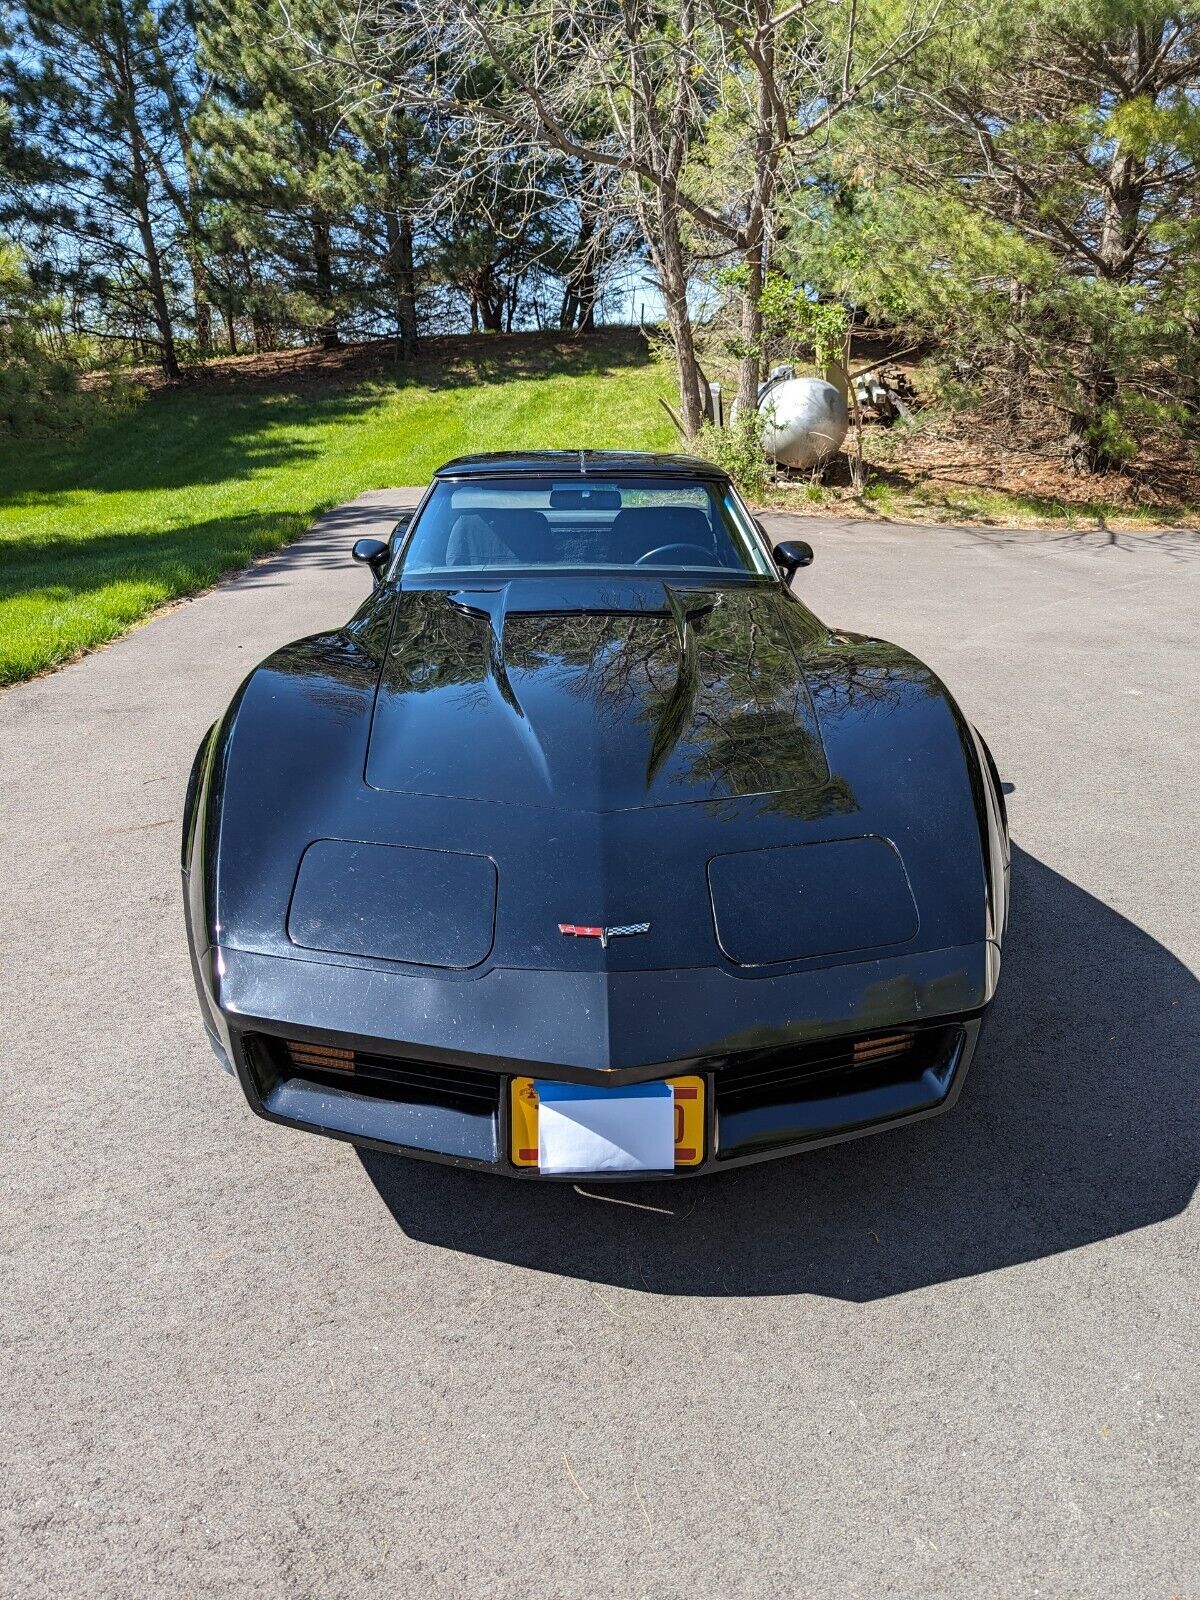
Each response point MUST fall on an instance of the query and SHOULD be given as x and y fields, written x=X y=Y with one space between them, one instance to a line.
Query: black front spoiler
x=456 y=1138
x=479 y=1138
x=249 y=996
x=480 y=1141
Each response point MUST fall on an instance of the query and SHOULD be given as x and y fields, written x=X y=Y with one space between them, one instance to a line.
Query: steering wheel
x=676 y=550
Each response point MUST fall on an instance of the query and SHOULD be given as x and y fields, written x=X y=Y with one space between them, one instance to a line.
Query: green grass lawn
x=160 y=501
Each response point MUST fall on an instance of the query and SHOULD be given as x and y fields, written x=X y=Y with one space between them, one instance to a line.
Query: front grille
x=835 y=1066
x=388 y=1077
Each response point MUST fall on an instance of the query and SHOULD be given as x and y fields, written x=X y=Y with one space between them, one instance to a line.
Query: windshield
x=553 y=525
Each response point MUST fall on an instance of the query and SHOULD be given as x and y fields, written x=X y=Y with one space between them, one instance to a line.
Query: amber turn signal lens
x=881 y=1046
x=324 y=1057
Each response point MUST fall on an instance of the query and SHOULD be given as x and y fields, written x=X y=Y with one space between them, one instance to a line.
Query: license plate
x=687 y=1113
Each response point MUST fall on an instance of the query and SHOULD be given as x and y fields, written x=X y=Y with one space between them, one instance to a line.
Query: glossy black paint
x=790 y=902
x=373 y=553
x=558 y=463
x=493 y=760
x=793 y=554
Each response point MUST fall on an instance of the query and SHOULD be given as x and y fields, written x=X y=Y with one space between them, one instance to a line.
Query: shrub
x=738 y=450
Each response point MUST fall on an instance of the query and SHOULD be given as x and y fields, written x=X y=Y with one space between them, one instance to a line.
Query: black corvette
x=584 y=847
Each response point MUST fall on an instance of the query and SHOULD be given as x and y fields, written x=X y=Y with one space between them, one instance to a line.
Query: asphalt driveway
x=957 y=1359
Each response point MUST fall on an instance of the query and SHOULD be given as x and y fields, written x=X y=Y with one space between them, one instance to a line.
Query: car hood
x=596 y=695
x=526 y=767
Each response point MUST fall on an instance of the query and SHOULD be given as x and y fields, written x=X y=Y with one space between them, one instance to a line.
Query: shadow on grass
x=61 y=598
x=519 y=357
x=111 y=582
x=449 y=360
x=213 y=433
x=178 y=562
x=264 y=453
x=1078 y=1123
x=177 y=441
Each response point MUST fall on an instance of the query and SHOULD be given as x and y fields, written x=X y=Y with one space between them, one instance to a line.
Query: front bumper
x=548 y=1022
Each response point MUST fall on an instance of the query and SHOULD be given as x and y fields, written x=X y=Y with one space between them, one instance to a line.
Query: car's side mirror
x=372 y=553
x=793 y=554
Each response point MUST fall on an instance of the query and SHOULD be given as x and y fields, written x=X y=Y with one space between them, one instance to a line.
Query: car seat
x=473 y=542
x=639 y=529
x=527 y=534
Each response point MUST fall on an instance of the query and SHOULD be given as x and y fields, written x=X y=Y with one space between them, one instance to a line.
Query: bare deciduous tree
x=637 y=88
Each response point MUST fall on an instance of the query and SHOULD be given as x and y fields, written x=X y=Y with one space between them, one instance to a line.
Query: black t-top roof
x=584 y=463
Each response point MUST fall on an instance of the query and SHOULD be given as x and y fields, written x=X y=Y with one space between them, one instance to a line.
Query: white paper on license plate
x=581 y=1129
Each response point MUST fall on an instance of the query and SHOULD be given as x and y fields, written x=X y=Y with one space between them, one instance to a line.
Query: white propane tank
x=804 y=420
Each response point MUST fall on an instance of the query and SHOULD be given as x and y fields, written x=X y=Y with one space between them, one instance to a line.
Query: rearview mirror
x=793 y=554
x=372 y=553
x=589 y=498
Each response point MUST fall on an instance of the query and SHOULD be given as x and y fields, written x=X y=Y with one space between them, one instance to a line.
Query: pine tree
x=37 y=388
x=98 y=90
x=1034 y=204
x=279 y=156
x=395 y=163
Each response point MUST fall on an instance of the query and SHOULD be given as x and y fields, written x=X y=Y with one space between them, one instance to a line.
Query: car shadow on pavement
x=1078 y=1122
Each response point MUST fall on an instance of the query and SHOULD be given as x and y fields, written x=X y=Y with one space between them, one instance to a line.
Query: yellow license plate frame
x=689 y=1121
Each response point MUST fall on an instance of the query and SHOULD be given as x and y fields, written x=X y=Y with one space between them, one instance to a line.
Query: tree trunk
x=588 y=295
x=490 y=296
x=1190 y=385
x=327 y=332
x=1097 y=390
x=399 y=268
x=667 y=252
x=750 y=365
x=409 y=332
x=158 y=294
x=762 y=196
x=662 y=142
x=1124 y=193
x=230 y=327
x=203 y=328
x=145 y=228
x=123 y=84
x=398 y=224
x=201 y=309
x=1016 y=358
x=579 y=295
x=188 y=201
